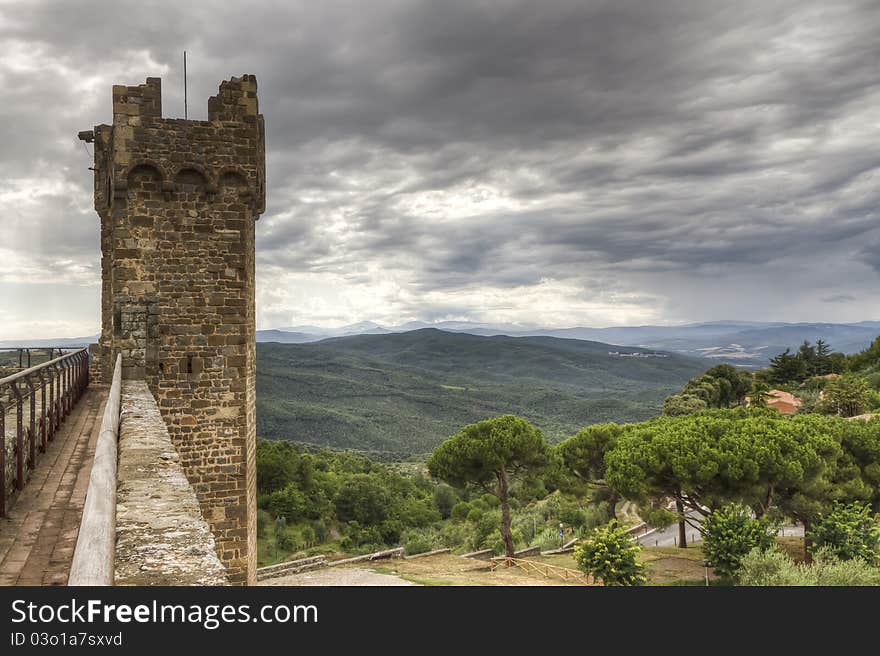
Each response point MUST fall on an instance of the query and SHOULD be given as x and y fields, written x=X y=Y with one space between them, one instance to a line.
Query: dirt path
x=337 y=576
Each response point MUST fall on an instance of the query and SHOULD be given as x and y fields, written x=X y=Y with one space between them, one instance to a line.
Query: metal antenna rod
x=185 y=114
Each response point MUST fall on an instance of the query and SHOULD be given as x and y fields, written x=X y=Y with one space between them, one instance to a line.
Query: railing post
x=19 y=437
x=54 y=383
x=83 y=372
x=77 y=381
x=32 y=424
x=71 y=399
x=42 y=412
x=61 y=392
x=65 y=406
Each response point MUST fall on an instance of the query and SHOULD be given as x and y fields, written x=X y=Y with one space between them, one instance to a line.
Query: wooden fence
x=544 y=569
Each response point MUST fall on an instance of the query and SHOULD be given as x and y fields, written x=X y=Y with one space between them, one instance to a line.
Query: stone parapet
x=161 y=536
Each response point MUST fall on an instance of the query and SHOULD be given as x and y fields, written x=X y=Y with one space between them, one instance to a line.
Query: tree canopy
x=584 y=454
x=706 y=459
x=847 y=396
x=487 y=454
x=721 y=386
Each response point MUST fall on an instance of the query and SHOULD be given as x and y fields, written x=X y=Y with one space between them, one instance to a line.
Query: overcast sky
x=553 y=163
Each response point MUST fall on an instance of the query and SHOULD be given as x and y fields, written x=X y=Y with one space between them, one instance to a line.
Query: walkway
x=38 y=536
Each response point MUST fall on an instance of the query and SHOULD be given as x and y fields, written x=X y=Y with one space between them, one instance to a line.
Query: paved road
x=668 y=537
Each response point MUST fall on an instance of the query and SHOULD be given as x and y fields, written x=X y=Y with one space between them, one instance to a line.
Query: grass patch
x=793 y=546
x=675 y=566
x=268 y=552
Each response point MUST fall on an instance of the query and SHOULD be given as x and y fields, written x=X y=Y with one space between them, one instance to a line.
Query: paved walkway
x=38 y=536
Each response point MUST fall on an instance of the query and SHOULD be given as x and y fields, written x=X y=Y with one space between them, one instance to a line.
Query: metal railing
x=40 y=398
x=24 y=354
x=93 y=557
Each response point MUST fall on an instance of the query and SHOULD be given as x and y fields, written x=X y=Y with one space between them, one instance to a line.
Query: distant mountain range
x=398 y=394
x=747 y=343
x=60 y=342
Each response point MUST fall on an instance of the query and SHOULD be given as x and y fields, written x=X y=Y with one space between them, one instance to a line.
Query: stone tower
x=178 y=200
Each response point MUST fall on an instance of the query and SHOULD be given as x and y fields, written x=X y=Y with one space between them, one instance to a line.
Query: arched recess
x=142 y=171
x=232 y=179
x=142 y=178
x=191 y=178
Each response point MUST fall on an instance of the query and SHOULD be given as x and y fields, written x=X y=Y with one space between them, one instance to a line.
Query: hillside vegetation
x=718 y=462
x=401 y=394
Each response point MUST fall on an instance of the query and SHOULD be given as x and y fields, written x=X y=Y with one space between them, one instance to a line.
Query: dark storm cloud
x=838 y=298
x=428 y=156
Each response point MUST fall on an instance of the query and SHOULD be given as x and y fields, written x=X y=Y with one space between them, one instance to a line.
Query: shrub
x=489 y=523
x=548 y=539
x=528 y=524
x=847 y=396
x=610 y=555
x=263 y=519
x=831 y=571
x=417 y=541
x=475 y=515
x=390 y=531
x=770 y=567
x=572 y=515
x=287 y=540
x=594 y=516
x=445 y=500
x=362 y=498
x=494 y=541
x=289 y=503
x=490 y=500
x=683 y=404
x=280 y=525
x=319 y=526
x=362 y=539
x=847 y=531
x=656 y=515
x=460 y=511
x=308 y=535
x=773 y=568
x=480 y=504
x=455 y=536
x=729 y=534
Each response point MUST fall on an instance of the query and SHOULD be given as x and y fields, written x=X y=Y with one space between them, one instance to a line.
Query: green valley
x=393 y=396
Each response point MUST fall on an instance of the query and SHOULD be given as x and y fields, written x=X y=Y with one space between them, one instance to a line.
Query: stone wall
x=161 y=536
x=178 y=200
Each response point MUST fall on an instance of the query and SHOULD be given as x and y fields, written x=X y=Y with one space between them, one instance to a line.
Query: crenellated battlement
x=230 y=143
x=133 y=103
x=237 y=100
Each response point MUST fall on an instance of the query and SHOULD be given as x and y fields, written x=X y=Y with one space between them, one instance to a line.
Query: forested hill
x=401 y=394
